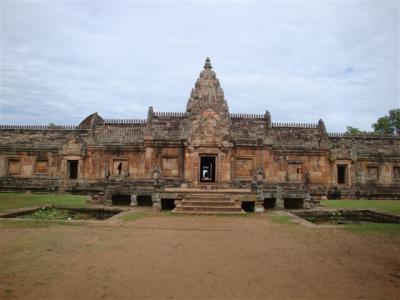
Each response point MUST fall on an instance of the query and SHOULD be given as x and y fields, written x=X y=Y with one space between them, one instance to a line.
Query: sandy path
x=202 y=258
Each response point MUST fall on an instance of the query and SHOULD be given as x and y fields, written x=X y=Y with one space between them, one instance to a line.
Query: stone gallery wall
x=170 y=146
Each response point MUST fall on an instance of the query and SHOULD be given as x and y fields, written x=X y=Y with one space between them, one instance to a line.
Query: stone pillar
x=279 y=202
x=108 y=200
x=155 y=197
x=259 y=207
x=307 y=201
x=134 y=200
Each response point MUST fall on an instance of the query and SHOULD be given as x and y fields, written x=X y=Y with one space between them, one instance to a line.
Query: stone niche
x=243 y=168
x=170 y=166
x=295 y=171
x=396 y=174
x=120 y=167
x=41 y=167
x=14 y=166
x=372 y=173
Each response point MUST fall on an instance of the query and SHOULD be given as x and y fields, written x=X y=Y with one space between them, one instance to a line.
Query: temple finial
x=207 y=64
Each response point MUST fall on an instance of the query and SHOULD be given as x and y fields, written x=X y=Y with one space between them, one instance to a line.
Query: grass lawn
x=280 y=219
x=392 y=206
x=133 y=216
x=19 y=200
x=374 y=228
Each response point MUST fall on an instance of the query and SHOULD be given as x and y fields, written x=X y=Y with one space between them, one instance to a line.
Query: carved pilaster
x=279 y=202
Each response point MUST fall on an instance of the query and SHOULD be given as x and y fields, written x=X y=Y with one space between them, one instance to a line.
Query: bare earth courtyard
x=194 y=257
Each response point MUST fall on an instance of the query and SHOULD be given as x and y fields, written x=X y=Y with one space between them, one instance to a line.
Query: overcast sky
x=301 y=60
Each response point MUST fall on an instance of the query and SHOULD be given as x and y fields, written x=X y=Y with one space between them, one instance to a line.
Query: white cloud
x=301 y=60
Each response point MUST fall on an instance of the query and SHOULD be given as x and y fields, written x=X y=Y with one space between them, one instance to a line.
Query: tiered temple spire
x=207 y=92
x=207 y=64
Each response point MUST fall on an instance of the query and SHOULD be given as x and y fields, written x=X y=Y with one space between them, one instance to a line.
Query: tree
x=353 y=130
x=389 y=124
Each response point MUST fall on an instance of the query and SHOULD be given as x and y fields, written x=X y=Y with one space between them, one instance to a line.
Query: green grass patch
x=282 y=219
x=166 y=213
x=246 y=215
x=374 y=228
x=6 y=224
x=133 y=216
x=392 y=206
x=9 y=224
x=19 y=200
x=7 y=292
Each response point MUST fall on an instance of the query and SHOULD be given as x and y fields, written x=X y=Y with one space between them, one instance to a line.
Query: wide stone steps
x=207 y=203
x=214 y=209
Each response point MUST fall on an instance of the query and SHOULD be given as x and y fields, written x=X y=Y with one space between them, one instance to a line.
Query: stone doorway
x=207 y=169
x=341 y=174
x=72 y=171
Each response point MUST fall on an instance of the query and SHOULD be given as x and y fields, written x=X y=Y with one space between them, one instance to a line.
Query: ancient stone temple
x=205 y=159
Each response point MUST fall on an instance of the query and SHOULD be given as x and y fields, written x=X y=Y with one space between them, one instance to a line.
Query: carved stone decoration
x=156 y=173
x=332 y=155
x=107 y=174
x=208 y=121
x=359 y=177
x=207 y=93
x=209 y=128
x=73 y=146
x=279 y=202
x=259 y=174
x=307 y=177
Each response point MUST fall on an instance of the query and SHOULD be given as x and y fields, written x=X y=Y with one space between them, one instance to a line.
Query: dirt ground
x=166 y=257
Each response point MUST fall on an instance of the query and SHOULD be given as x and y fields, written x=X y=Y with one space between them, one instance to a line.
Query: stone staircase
x=208 y=203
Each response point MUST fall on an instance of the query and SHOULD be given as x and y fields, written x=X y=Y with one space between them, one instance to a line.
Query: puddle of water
x=347 y=217
x=56 y=213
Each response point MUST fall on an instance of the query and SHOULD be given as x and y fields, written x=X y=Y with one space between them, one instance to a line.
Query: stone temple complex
x=205 y=159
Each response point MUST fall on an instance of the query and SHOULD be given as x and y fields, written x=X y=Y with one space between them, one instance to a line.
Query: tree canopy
x=388 y=124
x=354 y=130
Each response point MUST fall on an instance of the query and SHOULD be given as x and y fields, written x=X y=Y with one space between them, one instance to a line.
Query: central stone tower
x=208 y=119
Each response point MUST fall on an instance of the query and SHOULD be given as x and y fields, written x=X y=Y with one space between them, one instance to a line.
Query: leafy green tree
x=353 y=130
x=389 y=124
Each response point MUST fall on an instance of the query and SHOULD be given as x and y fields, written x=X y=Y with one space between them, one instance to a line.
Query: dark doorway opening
x=207 y=169
x=248 y=206
x=341 y=174
x=167 y=204
x=269 y=203
x=293 y=203
x=122 y=200
x=144 y=200
x=72 y=169
x=334 y=194
x=119 y=169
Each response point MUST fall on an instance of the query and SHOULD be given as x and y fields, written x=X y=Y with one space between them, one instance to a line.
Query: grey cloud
x=62 y=60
